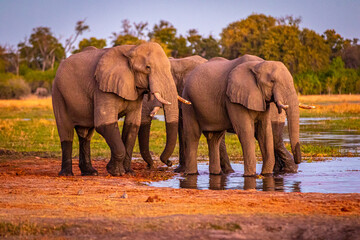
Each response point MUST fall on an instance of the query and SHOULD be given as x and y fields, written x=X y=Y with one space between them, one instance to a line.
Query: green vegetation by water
x=32 y=129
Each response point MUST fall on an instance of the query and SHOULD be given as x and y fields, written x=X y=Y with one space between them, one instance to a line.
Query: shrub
x=14 y=88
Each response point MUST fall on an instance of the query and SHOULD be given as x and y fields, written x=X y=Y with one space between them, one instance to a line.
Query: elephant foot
x=250 y=175
x=66 y=173
x=150 y=166
x=168 y=163
x=179 y=169
x=130 y=172
x=217 y=173
x=227 y=170
x=114 y=169
x=190 y=174
x=267 y=174
x=89 y=172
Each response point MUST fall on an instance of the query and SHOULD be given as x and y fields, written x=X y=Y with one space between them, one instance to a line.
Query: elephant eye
x=148 y=67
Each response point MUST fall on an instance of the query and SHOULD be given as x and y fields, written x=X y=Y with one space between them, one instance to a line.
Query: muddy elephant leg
x=224 y=158
x=213 y=140
x=192 y=134
x=129 y=133
x=181 y=166
x=284 y=161
x=85 y=135
x=66 y=161
x=112 y=137
x=265 y=140
x=144 y=136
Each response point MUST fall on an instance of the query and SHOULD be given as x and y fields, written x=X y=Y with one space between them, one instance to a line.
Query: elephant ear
x=242 y=88
x=113 y=73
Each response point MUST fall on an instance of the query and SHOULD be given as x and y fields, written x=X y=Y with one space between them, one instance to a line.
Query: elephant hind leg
x=224 y=158
x=265 y=139
x=213 y=140
x=85 y=165
x=144 y=136
x=66 y=132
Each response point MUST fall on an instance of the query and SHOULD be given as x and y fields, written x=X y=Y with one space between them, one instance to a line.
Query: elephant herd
x=247 y=96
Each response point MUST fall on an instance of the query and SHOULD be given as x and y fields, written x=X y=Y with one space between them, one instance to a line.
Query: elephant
x=41 y=92
x=94 y=88
x=235 y=96
x=180 y=68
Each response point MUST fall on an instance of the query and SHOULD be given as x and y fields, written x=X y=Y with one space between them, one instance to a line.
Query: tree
x=128 y=36
x=336 y=42
x=351 y=56
x=79 y=29
x=98 y=43
x=164 y=33
x=42 y=49
x=245 y=36
x=3 y=60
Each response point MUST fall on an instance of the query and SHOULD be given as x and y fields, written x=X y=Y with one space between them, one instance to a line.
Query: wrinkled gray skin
x=233 y=96
x=94 y=88
x=180 y=68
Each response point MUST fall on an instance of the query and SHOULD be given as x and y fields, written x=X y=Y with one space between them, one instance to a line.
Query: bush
x=14 y=88
x=37 y=79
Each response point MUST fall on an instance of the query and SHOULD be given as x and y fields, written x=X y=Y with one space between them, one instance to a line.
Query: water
x=339 y=175
x=347 y=139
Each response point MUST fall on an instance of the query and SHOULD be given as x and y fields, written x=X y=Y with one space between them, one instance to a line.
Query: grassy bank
x=28 y=126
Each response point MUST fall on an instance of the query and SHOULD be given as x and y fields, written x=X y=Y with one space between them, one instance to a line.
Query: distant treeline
x=320 y=64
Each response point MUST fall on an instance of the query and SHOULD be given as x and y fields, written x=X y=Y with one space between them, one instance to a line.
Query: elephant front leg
x=112 y=137
x=213 y=140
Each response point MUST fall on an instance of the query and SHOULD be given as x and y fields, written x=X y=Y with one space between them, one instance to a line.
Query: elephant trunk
x=293 y=115
x=171 y=112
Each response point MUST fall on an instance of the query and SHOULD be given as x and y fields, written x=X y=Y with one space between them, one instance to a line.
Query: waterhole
x=338 y=175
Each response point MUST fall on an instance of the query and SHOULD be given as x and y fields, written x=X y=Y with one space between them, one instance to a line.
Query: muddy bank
x=36 y=202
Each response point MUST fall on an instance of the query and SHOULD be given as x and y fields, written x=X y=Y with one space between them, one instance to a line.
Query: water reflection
x=340 y=175
x=222 y=182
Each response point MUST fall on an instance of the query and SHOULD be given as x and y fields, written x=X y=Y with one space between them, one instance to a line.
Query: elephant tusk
x=160 y=99
x=282 y=105
x=154 y=111
x=303 y=106
x=183 y=100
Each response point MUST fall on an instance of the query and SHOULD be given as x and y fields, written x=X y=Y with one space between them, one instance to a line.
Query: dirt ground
x=37 y=204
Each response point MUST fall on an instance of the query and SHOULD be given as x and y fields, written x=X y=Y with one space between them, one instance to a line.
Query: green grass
x=30 y=127
x=8 y=229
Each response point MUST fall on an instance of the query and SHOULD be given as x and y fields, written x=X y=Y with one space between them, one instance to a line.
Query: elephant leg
x=224 y=158
x=85 y=165
x=144 y=136
x=181 y=166
x=192 y=134
x=265 y=139
x=242 y=121
x=129 y=133
x=284 y=162
x=66 y=162
x=66 y=132
x=112 y=137
x=213 y=140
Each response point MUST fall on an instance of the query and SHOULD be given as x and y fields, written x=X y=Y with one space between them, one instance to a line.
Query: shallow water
x=339 y=175
x=347 y=139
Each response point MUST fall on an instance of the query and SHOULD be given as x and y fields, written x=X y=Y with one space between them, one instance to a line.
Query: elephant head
x=255 y=84
x=129 y=71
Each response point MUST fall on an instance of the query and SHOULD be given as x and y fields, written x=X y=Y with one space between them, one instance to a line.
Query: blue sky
x=19 y=17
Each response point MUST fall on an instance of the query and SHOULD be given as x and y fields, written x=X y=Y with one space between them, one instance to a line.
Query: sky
x=19 y=17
